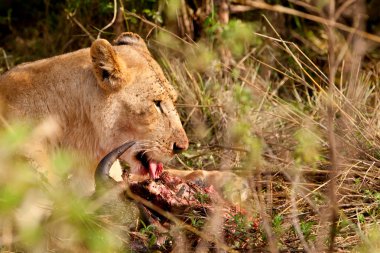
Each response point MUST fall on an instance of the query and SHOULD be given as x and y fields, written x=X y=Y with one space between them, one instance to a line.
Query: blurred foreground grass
x=253 y=100
x=37 y=216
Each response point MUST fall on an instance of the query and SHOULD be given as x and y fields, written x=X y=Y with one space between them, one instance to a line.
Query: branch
x=71 y=16
x=327 y=22
x=112 y=21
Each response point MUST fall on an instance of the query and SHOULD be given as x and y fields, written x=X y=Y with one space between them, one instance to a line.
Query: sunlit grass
x=261 y=115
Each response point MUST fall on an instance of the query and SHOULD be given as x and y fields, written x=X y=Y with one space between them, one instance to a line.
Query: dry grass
x=273 y=115
x=290 y=173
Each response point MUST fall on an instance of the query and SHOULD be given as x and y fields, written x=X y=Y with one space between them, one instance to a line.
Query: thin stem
x=330 y=128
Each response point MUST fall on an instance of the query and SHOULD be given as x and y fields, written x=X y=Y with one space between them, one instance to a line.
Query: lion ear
x=132 y=39
x=108 y=68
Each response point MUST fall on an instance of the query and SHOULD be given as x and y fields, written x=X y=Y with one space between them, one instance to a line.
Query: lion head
x=136 y=103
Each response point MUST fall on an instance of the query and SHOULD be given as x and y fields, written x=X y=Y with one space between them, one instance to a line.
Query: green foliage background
x=253 y=99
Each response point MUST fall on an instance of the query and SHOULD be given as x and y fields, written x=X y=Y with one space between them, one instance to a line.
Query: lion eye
x=158 y=105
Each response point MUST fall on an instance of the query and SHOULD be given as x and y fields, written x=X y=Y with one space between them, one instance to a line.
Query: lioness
x=101 y=97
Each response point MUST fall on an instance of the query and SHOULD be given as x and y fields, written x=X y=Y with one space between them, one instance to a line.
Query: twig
x=342 y=8
x=112 y=21
x=157 y=26
x=5 y=58
x=183 y=163
x=228 y=148
x=197 y=106
x=6 y=124
x=71 y=16
x=240 y=8
x=331 y=129
x=294 y=210
x=330 y=23
x=306 y=5
x=186 y=121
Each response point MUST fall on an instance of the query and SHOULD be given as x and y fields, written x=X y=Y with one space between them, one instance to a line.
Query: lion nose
x=179 y=147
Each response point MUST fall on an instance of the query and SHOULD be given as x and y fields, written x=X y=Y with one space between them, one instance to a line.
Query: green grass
x=262 y=115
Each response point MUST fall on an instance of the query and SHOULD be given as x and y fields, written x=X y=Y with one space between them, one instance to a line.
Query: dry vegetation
x=285 y=95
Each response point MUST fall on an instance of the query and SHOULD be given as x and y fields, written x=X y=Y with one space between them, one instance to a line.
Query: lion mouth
x=148 y=165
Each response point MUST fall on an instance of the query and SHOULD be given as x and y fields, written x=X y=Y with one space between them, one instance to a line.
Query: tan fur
x=100 y=98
